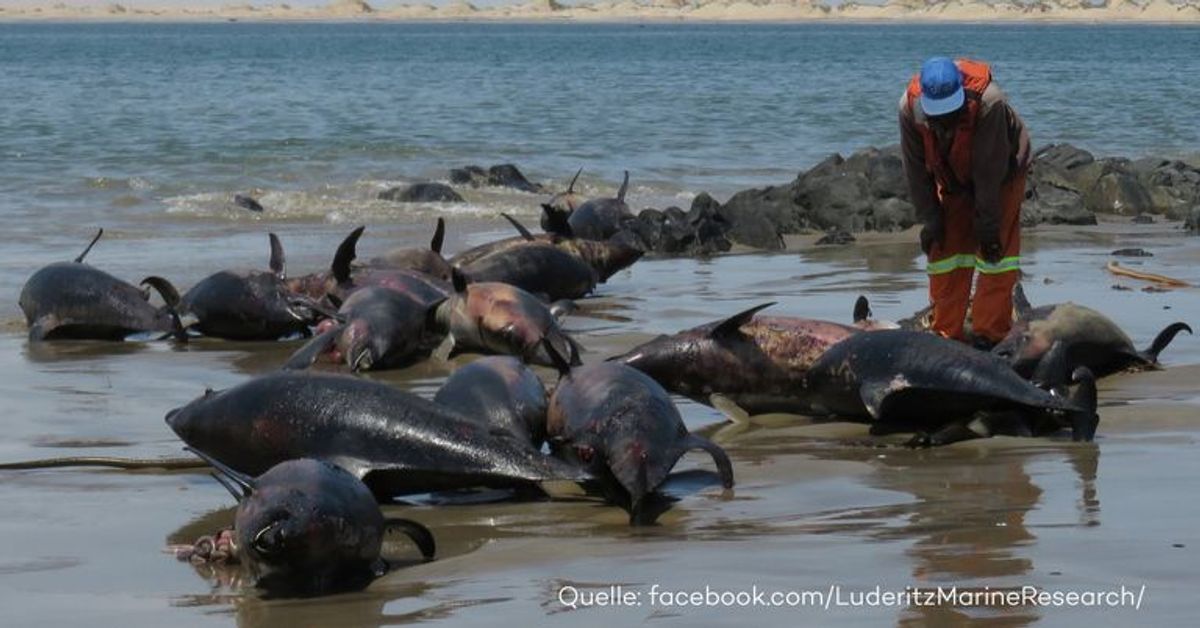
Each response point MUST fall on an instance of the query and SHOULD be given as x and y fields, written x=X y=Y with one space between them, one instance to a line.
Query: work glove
x=932 y=233
x=989 y=244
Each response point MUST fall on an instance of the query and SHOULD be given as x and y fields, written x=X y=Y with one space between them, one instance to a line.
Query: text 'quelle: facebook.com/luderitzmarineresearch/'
x=837 y=596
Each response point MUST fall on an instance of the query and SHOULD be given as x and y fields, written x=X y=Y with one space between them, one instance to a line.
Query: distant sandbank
x=1114 y=11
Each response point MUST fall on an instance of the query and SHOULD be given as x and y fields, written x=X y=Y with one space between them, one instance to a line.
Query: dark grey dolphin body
x=905 y=378
x=308 y=527
x=253 y=305
x=428 y=261
x=596 y=219
x=606 y=257
x=501 y=392
x=396 y=442
x=622 y=426
x=498 y=318
x=758 y=362
x=1090 y=339
x=376 y=328
x=78 y=301
x=540 y=268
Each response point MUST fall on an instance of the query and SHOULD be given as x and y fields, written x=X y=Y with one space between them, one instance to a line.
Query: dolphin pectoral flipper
x=306 y=355
x=874 y=394
x=724 y=466
x=956 y=432
x=419 y=534
x=42 y=327
x=519 y=227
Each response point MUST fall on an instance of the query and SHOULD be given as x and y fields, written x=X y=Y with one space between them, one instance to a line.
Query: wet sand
x=814 y=506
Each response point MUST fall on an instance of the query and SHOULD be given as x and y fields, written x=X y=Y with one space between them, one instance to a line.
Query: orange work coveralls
x=953 y=261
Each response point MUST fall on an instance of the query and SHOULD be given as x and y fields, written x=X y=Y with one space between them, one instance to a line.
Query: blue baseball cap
x=941 y=87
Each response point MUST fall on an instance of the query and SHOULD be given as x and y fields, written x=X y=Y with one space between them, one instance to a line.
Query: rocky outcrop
x=501 y=175
x=699 y=232
x=864 y=192
x=867 y=191
x=422 y=193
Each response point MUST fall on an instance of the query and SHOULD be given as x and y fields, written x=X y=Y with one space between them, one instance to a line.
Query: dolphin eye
x=269 y=541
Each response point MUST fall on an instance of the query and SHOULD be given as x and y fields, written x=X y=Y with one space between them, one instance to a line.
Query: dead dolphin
x=564 y=202
x=498 y=318
x=596 y=219
x=758 y=362
x=79 y=301
x=606 y=257
x=1091 y=339
x=501 y=392
x=622 y=426
x=376 y=328
x=904 y=378
x=540 y=268
x=428 y=261
x=306 y=527
x=395 y=441
x=252 y=305
x=344 y=278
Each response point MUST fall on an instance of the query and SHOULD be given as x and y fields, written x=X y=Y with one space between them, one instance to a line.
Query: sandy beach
x=1054 y=11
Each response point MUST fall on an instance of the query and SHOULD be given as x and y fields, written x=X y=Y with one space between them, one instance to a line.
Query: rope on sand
x=1161 y=280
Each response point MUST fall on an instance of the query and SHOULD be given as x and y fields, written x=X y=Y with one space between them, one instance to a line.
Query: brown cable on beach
x=1163 y=280
x=129 y=464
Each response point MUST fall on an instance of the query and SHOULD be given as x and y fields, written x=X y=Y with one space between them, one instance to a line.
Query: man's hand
x=932 y=233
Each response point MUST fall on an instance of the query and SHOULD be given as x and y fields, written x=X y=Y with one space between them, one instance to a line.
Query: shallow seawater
x=815 y=506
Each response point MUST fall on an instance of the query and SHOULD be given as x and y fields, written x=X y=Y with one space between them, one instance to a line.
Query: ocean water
x=149 y=129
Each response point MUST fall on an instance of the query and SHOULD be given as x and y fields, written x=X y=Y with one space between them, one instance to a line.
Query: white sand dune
x=634 y=10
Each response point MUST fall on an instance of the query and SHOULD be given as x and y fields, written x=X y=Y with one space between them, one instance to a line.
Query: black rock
x=836 y=237
x=247 y=202
x=1132 y=253
x=508 y=176
x=422 y=193
x=473 y=176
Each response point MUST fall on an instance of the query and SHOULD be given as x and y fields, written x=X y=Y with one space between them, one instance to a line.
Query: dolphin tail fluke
x=1085 y=420
x=306 y=355
x=556 y=221
x=419 y=534
x=1163 y=339
x=724 y=467
x=170 y=296
x=862 y=309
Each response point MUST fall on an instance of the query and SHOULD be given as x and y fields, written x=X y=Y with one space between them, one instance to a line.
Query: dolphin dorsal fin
x=624 y=188
x=346 y=252
x=459 y=280
x=88 y=249
x=439 y=236
x=571 y=187
x=519 y=227
x=1020 y=302
x=731 y=325
x=278 y=260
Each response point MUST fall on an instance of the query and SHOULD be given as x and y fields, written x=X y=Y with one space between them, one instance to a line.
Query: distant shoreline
x=1153 y=12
